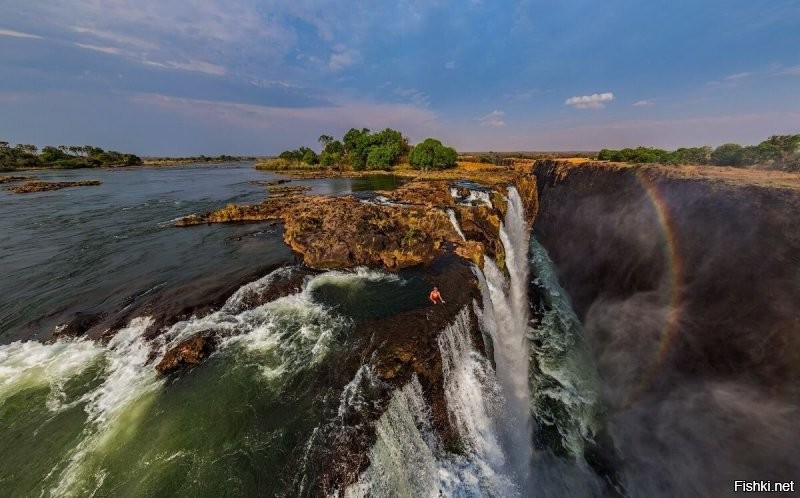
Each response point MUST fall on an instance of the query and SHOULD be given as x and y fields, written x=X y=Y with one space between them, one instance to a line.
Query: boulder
x=187 y=353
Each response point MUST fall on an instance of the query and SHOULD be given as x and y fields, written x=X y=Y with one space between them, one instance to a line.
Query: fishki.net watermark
x=763 y=487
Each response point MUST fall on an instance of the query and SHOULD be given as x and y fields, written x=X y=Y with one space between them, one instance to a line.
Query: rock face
x=186 y=354
x=686 y=282
x=45 y=186
x=413 y=229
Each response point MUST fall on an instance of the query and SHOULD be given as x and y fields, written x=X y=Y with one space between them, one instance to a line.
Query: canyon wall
x=687 y=281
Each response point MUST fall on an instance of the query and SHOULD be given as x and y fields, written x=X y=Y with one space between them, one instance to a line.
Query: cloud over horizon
x=594 y=101
x=430 y=67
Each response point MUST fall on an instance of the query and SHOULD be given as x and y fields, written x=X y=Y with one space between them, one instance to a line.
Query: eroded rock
x=37 y=186
x=188 y=353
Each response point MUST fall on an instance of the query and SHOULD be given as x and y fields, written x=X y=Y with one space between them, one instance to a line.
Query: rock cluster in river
x=37 y=186
x=413 y=228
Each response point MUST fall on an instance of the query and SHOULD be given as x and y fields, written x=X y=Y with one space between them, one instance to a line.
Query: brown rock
x=45 y=186
x=188 y=353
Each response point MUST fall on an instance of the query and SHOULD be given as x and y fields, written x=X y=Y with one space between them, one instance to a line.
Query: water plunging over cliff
x=408 y=460
x=505 y=315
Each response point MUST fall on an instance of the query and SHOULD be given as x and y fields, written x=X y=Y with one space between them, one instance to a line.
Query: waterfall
x=564 y=382
x=505 y=316
x=452 y=215
x=408 y=460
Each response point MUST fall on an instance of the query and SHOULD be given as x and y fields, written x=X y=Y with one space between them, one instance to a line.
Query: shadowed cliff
x=687 y=282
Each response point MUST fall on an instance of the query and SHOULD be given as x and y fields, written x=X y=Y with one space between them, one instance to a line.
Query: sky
x=188 y=77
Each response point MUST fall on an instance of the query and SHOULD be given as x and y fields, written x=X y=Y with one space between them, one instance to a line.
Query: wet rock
x=398 y=348
x=79 y=325
x=276 y=190
x=37 y=186
x=188 y=353
x=430 y=193
x=12 y=179
x=342 y=232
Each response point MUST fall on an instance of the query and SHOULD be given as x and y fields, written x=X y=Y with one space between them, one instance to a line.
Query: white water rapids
x=275 y=344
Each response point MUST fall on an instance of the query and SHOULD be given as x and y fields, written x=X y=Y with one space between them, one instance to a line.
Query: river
x=266 y=414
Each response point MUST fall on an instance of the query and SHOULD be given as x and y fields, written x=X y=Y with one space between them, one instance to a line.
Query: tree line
x=366 y=150
x=780 y=152
x=24 y=156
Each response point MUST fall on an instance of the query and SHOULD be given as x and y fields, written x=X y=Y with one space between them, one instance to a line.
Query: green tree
x=309 y=156
x=356 y=147
x=728 y=155
x=432 y=154
x=382 y=156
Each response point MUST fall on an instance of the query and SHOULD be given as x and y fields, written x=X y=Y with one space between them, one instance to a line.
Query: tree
x=692 y=155
x=309 y=156
x=728 y=155
x=356 y=147
x=431 y=154
x=382 y=156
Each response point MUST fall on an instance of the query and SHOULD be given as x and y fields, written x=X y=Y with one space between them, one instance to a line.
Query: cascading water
x=563 y=378
x=408 y=460
x=506 y=316
x=99 y=419
x=102 y=420
x=452 y=215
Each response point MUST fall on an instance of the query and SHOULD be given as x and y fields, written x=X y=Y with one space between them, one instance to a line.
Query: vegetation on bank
x=170 y=161
x=781 y=152
x=23 y=156
x=362 y=149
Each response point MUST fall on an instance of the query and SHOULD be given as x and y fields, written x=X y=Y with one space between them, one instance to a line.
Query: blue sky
x=259 y=76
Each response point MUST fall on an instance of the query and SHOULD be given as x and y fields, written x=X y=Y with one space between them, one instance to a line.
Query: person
x=435 y=295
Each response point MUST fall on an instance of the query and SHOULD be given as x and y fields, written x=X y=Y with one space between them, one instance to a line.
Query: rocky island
x=38 y=186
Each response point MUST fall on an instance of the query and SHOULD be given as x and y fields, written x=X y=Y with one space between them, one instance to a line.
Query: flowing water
x=83 y=418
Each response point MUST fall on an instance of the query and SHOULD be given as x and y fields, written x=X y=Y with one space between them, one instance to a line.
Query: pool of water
x=100 y=249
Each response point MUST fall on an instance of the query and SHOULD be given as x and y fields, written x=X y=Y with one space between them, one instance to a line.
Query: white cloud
x=334 y=118
x=450 y=65
x=97 y=48
x=643 y=103
x=594 y=101
x=17 y=34
x=343 y=57
x=738 y=76
x=493 y=120
x=195 y=65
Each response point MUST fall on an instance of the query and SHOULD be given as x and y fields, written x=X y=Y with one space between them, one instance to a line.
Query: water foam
x=128 y=379
x=30 y=364
x=452 y=215
x=408 y=460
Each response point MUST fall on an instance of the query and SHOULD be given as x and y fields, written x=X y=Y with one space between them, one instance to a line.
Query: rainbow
x=669 y=332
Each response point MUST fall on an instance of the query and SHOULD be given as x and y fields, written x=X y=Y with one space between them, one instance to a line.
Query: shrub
x=431 y=154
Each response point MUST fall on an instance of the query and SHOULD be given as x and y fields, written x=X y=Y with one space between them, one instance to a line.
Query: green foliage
x=382 y=156
x=431 y=154
x=691 y=155
x=728 y=155
x=360 y=149
x=27 y=156
x=310 y=157
x=777 y=152
x=637 y=155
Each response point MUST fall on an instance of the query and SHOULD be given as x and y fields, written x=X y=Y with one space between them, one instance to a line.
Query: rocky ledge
x=12 y=179
x=394 y=230
x=46 y=186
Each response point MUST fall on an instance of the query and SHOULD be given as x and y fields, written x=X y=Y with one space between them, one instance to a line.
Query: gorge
x=608 y=331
